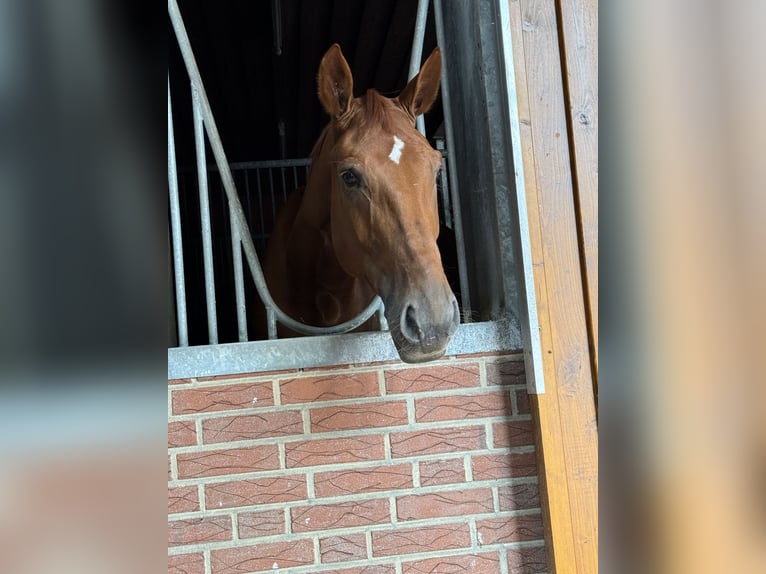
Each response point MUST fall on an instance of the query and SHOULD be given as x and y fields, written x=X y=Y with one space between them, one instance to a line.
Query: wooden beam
x=578 y=31
x=565 y=414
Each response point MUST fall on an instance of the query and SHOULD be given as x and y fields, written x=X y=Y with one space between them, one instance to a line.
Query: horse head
x=384 y=216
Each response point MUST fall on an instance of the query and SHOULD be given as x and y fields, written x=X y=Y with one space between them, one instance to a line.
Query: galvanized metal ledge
x=327 y=350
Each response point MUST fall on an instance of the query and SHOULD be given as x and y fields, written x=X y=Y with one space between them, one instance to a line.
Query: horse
x=366 y=222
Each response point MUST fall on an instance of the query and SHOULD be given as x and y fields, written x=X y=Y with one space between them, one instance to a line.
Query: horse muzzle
x=423 y=326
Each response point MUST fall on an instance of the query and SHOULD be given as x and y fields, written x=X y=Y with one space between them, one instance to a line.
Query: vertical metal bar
x=416 y=55
x=444 y=184
x=273 y=199
x=284 y=185
x=271 y=321
x=295 y=177
x=247 y=196
x=465 y=294
x=239 y=279
x=530 y=326
x=175 y=227
x=262 y=228
x=204 y=209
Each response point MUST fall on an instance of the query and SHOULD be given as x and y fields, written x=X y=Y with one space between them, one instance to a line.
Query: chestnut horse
x=367 y=220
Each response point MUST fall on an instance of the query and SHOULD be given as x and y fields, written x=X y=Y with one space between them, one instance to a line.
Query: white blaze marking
x=396 y=151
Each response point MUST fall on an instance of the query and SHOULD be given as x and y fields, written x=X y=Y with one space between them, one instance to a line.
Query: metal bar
x=465 y=294
x=273 y=199
x=416 y=55
x=204 y=211
x=356 y=348
x=295 y=178
x=228 y=183
x=175 y=228
x=239 y=279
x=444 y=184
x=260 y=203
x=284 y=185
x=530 y=326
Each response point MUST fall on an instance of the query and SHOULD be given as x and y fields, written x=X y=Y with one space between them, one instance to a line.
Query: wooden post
x=565 y=415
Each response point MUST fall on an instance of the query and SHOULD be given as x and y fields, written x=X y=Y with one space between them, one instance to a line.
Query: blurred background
x=83 y=285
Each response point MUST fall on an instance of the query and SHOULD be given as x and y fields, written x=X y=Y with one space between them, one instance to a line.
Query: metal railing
x=204 y=123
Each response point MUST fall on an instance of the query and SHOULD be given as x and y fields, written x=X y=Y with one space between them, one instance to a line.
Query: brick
x=257 y=491
x=183 y=499
x=371 y=569
x=442 y=472
x=522 y=402
x=199 y=530
x=341 y=515
x=436 y=441
x=438 y=378
x=510 y=529
x=332 y=451
x=485 y=563
x=451 y=503
x=359 y=416
x=513 y=433
x=222 y=398
x=250 y=427
x=186 y=563
x=461 y=407
x=527 y=560
x=265 y=556
x=506 y=373
x=376 y=479
x=329 y=388
x=240 y=376
x=230 y=461
x=180 y=381
x=422 y=539
x=491 y=466
x=181 y=433
x=519 y=496
x=261 y=523
x=342 y=548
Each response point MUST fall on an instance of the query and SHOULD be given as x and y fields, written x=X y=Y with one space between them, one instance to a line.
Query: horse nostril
x=409 y=325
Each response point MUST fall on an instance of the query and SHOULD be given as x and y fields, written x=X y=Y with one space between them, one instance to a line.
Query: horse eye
x=350 y=179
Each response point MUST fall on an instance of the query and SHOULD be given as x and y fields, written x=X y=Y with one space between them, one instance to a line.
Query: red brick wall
x=369 y=469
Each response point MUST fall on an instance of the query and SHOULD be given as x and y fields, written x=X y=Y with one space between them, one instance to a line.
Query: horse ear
x=419 y=95
x=335 y=84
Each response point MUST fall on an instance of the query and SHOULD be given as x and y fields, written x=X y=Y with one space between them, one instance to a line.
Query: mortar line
x=207 y=561
x=415 y=474
x=234 y=526
x=276 y=393
x=503 y=553
x=317 y=553
x=468 y=468
x=288 y=521
x=483 y=373
x=474 y=531
x=392 y=510
x=489 y=435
